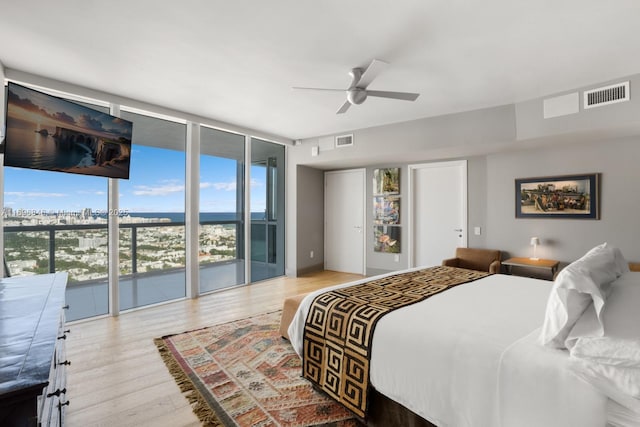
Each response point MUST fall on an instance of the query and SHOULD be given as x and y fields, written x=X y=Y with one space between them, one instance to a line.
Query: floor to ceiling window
x=52 y=220
x=221 y=235
x=267 y=210
x=151 y=214
x=57 y=221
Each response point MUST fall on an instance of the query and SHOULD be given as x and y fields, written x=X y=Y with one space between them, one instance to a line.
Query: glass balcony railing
x=151 y=254
x=144 y=248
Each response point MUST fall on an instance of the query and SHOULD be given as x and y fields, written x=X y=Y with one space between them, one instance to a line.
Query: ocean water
x=204 y=216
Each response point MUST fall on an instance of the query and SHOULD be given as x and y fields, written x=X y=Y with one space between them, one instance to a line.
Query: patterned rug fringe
x=195 y=399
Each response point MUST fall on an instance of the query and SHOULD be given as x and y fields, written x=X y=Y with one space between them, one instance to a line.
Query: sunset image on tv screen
x=51 y=133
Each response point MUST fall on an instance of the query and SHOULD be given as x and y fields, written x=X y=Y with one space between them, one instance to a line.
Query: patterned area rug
x=243 y=373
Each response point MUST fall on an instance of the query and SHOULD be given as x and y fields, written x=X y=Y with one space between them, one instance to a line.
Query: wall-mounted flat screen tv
x=50 y=133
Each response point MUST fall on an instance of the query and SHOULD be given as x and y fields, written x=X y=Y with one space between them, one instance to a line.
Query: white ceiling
x=236 y=60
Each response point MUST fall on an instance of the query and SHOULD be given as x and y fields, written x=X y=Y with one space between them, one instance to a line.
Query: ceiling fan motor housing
x=360 y=80
x=356 y=95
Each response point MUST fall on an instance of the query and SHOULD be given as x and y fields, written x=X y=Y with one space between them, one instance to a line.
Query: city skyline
x=153 y=186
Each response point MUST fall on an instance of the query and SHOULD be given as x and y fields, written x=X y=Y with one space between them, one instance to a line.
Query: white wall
x=567 y=239
x=378 y=262
x=501 y=144
x=398 y=145
x=441 y=137
x=310 y=219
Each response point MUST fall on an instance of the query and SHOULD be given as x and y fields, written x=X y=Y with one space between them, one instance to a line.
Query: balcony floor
x=91 y=299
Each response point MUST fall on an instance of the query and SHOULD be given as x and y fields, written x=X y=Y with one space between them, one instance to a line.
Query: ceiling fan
x=357 y=92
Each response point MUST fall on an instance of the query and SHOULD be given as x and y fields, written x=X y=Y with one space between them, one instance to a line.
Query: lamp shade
x=534 y=241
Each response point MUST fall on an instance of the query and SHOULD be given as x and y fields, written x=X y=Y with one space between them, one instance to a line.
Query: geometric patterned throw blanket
x=339 y=328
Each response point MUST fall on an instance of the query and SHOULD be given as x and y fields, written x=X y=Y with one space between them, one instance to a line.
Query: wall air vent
x=344 y=141
x=606 y=95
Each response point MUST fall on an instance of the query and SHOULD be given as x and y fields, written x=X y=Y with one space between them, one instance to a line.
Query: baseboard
x=310 y=269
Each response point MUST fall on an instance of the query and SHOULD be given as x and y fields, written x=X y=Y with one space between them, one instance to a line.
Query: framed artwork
x=568 y=196
x=386 y=210
x=386 y=239
x=386 y=181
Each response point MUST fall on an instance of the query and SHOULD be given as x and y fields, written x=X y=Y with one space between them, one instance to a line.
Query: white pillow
x=601 y=264
x=571 y=294
x=618 y=384
x=611 y=362
x=620 y=317
x=581 y=283
x=622 y=264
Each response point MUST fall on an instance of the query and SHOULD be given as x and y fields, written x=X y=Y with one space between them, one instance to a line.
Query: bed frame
x=384 y=412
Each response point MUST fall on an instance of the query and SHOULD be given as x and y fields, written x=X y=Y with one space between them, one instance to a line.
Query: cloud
x=159 y=190
x=228 y=186
x=92 y=192
x=33 y=194
x=224 y=186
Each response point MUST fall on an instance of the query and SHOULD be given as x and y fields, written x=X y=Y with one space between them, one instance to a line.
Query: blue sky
x=156 y=184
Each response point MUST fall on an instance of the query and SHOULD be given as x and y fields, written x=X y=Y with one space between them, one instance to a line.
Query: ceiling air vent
x=606 y=95
x=344 y=141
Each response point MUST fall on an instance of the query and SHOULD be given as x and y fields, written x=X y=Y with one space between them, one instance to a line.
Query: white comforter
x=468 y=357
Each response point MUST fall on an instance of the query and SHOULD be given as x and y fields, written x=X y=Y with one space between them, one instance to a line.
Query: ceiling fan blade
x=405 y=96
x=318 y=88
x=344 y=108
x=371 y=73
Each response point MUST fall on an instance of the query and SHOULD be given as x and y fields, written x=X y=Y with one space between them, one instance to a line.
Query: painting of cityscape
x=569 y=196
x=50 y=133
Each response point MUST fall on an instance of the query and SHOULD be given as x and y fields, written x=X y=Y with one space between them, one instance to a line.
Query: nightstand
x=549 y=265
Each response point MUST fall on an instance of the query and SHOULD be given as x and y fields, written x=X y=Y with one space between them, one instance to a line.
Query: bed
x=471 y=356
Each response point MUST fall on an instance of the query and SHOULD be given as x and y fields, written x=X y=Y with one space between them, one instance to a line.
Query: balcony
x=152 y=260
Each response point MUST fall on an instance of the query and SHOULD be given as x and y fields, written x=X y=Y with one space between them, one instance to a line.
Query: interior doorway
x=344 y=234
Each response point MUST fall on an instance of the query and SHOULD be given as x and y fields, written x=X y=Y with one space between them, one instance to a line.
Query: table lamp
x=534 y=242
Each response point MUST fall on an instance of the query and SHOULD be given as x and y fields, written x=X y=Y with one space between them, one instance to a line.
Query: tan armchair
x=476 y=259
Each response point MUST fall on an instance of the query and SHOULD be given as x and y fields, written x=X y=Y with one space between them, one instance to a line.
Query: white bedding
x=537 y=381
x=469 y=359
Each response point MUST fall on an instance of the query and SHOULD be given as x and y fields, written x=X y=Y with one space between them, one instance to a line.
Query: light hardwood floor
x=116 y=377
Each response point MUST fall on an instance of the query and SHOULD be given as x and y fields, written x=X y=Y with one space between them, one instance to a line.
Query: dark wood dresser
x=32 y=356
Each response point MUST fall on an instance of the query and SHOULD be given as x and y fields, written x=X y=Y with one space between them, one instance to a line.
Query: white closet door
x=344 y=233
